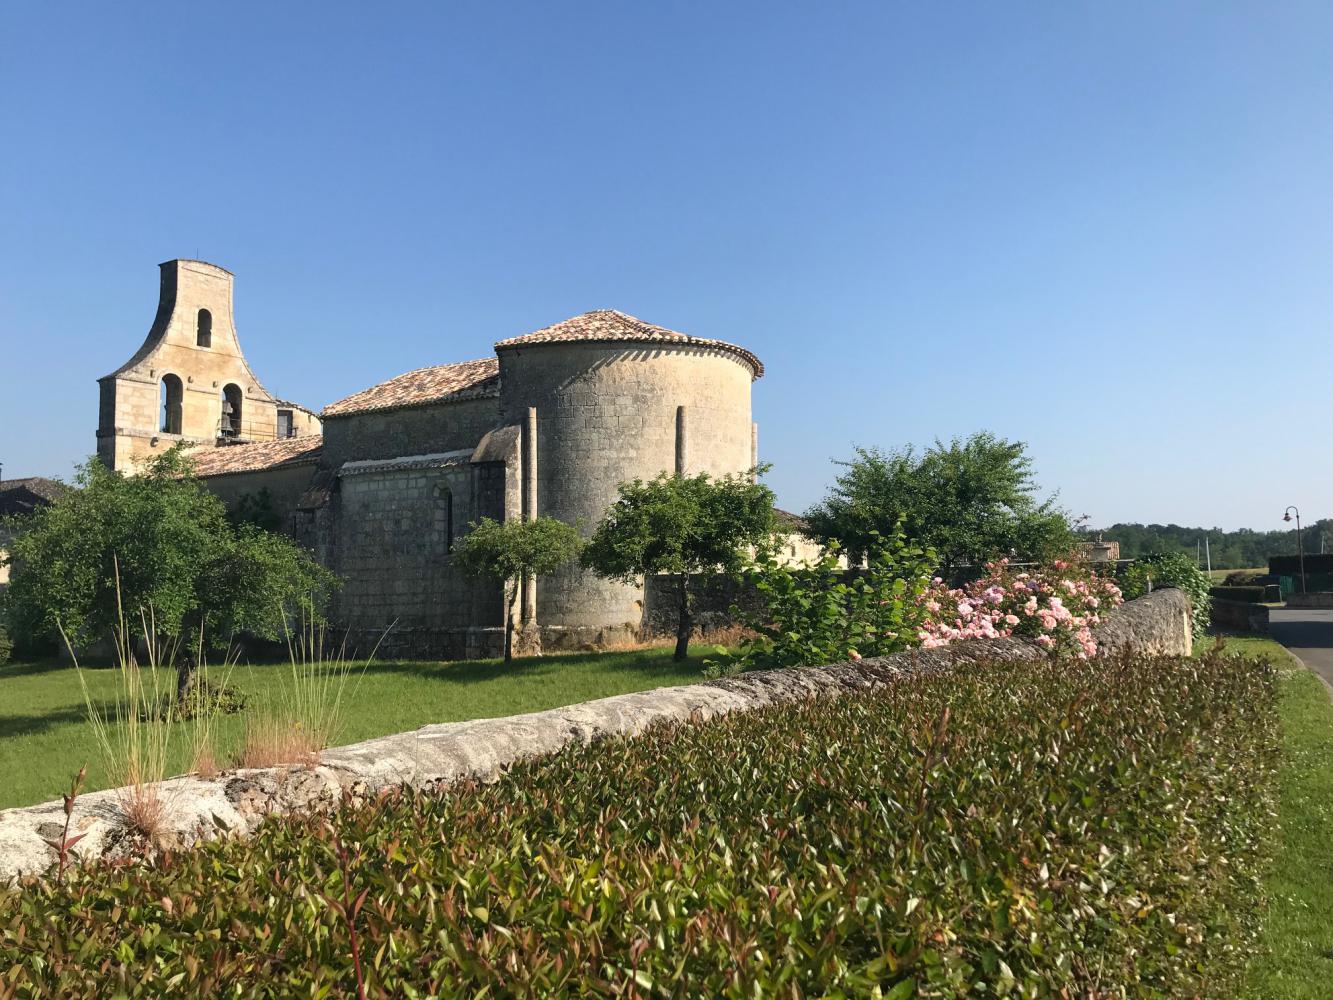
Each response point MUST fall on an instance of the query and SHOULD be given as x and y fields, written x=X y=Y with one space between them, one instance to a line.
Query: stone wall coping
x=237 y=802
x=434 y=460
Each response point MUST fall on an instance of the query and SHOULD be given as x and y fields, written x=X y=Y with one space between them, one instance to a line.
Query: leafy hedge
x=1314 y=562
x=1249 y=595
x=1000 y=829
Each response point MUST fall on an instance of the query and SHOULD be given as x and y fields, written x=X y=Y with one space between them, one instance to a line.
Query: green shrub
x=1048 y=828
x=1242 y=578
x=1249 y=595
x=1170 y=569
x=6 y=646
x=820 y=613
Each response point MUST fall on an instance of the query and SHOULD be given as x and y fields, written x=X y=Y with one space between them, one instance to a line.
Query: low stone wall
x=1316 y=599
x=237 y=802
x=1241 y=616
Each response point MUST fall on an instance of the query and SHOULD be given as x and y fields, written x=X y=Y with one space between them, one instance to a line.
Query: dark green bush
x=1242 y=578
x=6 y=646
x=1050 y=828
x=1249 y=595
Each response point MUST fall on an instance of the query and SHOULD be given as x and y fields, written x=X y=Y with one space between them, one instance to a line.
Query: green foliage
x=256 y=509
x=207 y=698
x=681 y=525
x=164 y=542
x=971 y=501
x=1241 y=549
x=1242 y=578
x=1170 y=569
x=1023 y=829
x=508 y=551
x=6 y=646
x=822 y=613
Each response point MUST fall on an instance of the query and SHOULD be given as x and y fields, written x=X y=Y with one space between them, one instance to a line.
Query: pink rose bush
x=1056 y=607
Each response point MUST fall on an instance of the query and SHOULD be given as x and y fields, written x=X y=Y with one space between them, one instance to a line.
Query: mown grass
x=45 y=735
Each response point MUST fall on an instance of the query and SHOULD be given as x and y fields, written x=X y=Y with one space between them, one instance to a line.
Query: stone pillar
x=529 y=471
x=680 y=441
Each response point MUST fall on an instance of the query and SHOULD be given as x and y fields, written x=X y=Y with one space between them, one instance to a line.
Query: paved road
x=1307 y=632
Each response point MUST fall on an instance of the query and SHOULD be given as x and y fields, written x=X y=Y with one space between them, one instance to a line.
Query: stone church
x=381 y=485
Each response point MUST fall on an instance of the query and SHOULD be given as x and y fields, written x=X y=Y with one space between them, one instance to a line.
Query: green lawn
x=45 y=735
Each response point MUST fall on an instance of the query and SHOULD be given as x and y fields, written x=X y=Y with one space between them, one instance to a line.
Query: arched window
x=444 y=517
x=230 y=425
x=172 y=391
x=203 y=335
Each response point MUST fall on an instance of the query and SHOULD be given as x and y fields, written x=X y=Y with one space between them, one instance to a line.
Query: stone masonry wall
x=418 y=430
x=394 y=550
x=437 y=755
x=285 y=484
x=606 y=414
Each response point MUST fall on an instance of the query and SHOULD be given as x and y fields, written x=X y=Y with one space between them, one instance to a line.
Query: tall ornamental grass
x=311 y=707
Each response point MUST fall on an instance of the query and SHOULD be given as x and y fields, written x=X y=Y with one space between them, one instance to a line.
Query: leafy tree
x=969 y=500
x=510 y=550
x=685 y=526
x=157 y=543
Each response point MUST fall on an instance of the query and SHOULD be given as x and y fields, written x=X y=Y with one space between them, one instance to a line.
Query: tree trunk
x=684 y=621
x=509 y=624
x=187 y=669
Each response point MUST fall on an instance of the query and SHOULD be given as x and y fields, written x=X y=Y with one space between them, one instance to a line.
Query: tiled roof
x=441 y=384
x=223 y=459
x=787 y=521
x=47 y=489
x=23 y=496
x=608 y=325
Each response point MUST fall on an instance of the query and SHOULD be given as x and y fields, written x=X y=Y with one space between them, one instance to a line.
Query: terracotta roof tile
x=608 y=325
x=223 y=459
x=440 y=384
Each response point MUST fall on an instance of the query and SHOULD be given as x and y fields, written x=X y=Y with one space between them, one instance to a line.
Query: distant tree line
x=1241 y=549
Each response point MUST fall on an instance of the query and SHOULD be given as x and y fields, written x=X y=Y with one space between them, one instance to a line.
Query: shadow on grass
x=24 y=725
x=34 y=668
x=475 y=671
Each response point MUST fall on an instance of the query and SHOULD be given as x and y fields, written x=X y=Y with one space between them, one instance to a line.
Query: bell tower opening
x=172 y=394
x=232 y=401
x=203 y=329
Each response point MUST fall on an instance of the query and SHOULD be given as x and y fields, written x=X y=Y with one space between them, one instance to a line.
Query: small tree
x=683 y=525
x=157 y=542
x=511 y=550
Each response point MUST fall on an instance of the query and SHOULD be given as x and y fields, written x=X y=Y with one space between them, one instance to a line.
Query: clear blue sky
x=1105 y=230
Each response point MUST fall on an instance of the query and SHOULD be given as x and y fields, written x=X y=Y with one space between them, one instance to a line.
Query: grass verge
x=1295 y=956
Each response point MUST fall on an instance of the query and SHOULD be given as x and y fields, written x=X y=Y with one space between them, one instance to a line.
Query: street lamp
x=1300 y=545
